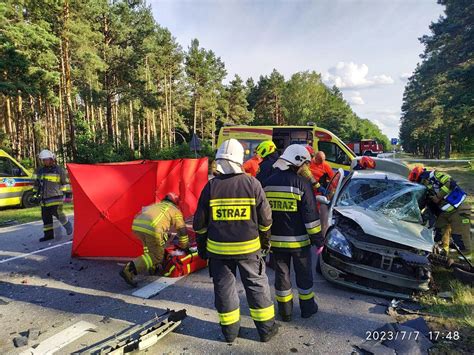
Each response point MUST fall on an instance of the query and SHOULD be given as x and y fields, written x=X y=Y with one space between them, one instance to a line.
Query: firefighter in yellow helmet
x=448 y=200
x=232 y=222
x=152 y=226
x=267 y=150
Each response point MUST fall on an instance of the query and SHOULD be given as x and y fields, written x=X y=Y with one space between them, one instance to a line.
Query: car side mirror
x=322 y=200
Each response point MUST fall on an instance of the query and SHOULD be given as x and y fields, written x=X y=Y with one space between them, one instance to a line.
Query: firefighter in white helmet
x=51 y=183
x=232 y=222
x=295 y=228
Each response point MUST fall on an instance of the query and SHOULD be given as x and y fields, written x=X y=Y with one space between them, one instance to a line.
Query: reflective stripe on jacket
x=444 y=189
x=295 y=218
x=50 y=184
x=232 y=215
x=159 y=218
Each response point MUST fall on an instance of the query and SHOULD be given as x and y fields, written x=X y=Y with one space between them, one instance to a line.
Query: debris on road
x=20 y=341
x=33 y=333
x=141 y=336
x=3 y=302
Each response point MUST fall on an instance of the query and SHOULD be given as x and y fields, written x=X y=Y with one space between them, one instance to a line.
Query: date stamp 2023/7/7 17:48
x=411 y=335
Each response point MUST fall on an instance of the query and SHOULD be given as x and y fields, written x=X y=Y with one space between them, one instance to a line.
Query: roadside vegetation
x=111 y=84
x=438 y=101
x=13 y=216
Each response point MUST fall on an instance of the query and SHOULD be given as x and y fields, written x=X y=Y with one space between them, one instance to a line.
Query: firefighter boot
x=46 y=238
x=68 y=227
x=273 y=331
x=128 y=272
x=309 y=310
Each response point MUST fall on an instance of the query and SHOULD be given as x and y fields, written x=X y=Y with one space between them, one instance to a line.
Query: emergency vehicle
x=338 y=154
x=368 y=147
x=16 y=183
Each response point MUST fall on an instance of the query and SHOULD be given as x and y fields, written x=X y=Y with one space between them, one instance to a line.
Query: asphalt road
x=51 y=291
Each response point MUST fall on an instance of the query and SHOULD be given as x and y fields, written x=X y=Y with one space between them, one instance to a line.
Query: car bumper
x=346 y=274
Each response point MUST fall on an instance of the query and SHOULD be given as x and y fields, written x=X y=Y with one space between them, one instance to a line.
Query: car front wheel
x=27 y=200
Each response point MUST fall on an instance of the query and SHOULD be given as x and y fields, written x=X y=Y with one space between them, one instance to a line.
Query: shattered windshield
x=397 y=199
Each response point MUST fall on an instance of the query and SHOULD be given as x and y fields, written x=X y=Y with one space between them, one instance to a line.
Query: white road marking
x=34 y=252
x=14 y=228
x=61 y=339
x=156 y=286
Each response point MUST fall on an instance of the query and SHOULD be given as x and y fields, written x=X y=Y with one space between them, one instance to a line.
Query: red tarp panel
x=108 y=196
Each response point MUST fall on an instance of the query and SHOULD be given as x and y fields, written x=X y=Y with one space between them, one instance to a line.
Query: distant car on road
x=375 y=240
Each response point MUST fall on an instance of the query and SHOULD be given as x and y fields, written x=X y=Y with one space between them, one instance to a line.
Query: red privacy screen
x=108 y=196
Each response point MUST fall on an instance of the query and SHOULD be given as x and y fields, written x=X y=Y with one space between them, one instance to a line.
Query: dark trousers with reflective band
x=457 y=224
x=153 y=252
x=304 y=280
x=255 y=281
x=47 y=214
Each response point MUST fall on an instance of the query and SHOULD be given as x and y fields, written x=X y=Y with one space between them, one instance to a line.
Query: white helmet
x=231 y=150
x=46 y=154
x=295 y=155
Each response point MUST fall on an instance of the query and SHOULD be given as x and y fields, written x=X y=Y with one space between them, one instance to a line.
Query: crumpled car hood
x=377 y=224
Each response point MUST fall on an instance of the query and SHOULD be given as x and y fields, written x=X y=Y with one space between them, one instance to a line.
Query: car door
x=327 y=206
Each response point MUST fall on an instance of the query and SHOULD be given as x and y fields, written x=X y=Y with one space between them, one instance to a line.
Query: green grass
x=24 y=215
x=459 y=309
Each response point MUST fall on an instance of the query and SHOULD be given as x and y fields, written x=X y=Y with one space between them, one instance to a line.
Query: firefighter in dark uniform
x=268 y=151
x=232 y=222
x=51 y=182
x=295 y=228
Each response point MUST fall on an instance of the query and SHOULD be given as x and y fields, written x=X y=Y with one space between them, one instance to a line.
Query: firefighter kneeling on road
x=50 y=185
x=151 y=226
x=295 y=228
x=232 y=222
x=453 y=211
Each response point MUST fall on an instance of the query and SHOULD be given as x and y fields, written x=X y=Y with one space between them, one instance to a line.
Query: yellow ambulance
x=338 y=154
x=16 y=183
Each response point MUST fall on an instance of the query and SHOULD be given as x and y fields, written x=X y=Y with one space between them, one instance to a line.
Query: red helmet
x=415 y=174
x=367 y=162
x=310 y=150
x=172 y=197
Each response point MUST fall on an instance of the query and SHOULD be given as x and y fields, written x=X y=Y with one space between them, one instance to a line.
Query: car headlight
x=337 y=242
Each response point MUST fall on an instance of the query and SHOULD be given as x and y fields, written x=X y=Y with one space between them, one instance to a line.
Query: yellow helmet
x=265 y=148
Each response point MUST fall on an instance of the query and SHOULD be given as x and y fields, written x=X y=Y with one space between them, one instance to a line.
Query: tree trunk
x=8 y=117
x=447 y=144
x=195 y=114
x=19 y=126
x=132 y=133
x=67 y=81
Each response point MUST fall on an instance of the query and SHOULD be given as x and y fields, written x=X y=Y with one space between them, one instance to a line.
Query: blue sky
x=367 y=48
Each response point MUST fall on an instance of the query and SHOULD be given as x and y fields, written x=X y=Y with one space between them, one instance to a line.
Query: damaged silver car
x=375 y=240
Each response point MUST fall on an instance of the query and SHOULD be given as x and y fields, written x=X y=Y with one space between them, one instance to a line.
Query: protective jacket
x=159 y=219
x=266 y=167
x=152 y=226
x=296 y=221
x=251 y=166
x=443 y=190
x=321 y=172
x=50 y=185
x=233 y=218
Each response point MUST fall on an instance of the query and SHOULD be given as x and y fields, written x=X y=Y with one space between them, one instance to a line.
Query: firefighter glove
x=317 y=240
